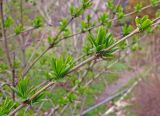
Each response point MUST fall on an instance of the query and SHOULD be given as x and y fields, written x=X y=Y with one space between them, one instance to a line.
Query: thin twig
x=4 y=34
x=58 y=40
x=78 y=67
x=31 y=98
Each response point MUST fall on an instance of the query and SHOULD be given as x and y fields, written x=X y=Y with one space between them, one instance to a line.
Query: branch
x=89 y=29
x=4 y=34
x=81 y=64
x=31 y=98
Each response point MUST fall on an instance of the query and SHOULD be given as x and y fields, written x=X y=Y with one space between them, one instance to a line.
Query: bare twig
x=4 y=35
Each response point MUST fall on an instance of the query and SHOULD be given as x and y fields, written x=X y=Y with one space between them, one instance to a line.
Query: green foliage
x=37 y=22
x=154 y=2
x=135 y=47
x=126 y=29
x=63 y=27
x=77 y=11
x=16 y=63
x=143 y=23
x=66 y=32
x=1 y=52
x=18 y=29
x=63 y=101
x=110 y=5
x=122 y=45
x=23 y=90
x=158 y=13
x=83 y=90
x=86 y=4
x=120 y=12
x=60 y=67
x=63 y=24
x=39 y=98
x=103 y=18
x=71 y=97
x=8 y=22
x=74 y=11
x=50 y=39
x=6 y=106
x=86 y=25
x=138 y=7
x=100 y=41
x=3 y=67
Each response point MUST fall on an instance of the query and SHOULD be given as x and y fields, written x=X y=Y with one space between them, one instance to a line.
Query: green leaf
x=122 y=45
x=143 y=23
x=138 y=7
x=66 y=32
x=135 y=47
x=38 y=98
x=23 y=89
x=50 y=39
x=100 y=35
x=62 y=101
x=71 y=97
x=6 y=106
x=74 y=11
x=147 y=23
x=120 y=12
x=8 y=22
x=104 y=18
x=88 y=17
x=85 y=25
x=60 y=67
x=154 y=2
x=110 y=4
x=63 y=24
x=18 y=29
x=37 y=22
x=86 y=4
x=3 y=67
x=92 y=40
x=126 y=29
x=100 y=41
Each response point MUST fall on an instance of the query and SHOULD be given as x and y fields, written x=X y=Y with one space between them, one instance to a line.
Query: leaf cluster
x=6 y=106
x=143 y=23
x=8 y=21
x=23 y=90
x=138 y=7
x=60 y=67
x=100 y=41
x=77 y=11
x=154 y=2
x=104 y=19
x=86 y=24
x=18 y=29
x=37 y=22
x=126 y=29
